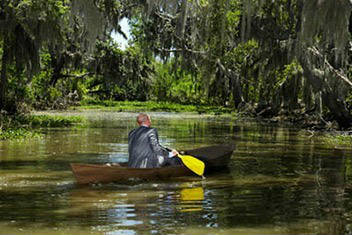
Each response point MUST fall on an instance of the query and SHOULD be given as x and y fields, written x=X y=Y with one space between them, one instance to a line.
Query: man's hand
x=174 y=152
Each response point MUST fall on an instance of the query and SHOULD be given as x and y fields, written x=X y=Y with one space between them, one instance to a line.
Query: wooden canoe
x=214 y=157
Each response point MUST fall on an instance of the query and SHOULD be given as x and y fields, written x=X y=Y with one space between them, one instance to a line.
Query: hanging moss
x=90 y=19
x=327 y=19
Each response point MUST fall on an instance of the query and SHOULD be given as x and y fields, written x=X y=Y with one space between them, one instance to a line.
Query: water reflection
x=188 y=198
x=280 y=181
x=144 y=207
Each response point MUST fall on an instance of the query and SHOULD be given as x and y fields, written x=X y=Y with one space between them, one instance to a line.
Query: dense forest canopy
x=265 y=57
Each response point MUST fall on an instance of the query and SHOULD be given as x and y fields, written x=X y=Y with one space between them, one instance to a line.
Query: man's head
x=143 y=119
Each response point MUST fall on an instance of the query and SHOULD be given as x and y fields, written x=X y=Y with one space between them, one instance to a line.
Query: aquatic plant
x=51 y=121
x=26 y=126
x=18 y=133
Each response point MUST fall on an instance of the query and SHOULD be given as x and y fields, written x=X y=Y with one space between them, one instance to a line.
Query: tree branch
x=181 y=50
x=76 y=76
x=164 y=16
x=126 y=10
x=168 y=50
x=338 y=74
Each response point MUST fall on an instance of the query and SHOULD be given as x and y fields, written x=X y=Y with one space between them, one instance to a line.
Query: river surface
x=281 y=180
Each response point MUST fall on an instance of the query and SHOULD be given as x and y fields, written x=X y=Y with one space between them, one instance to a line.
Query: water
x=281 y=180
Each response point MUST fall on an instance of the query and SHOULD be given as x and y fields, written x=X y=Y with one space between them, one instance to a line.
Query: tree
x=66 y=29
x=302 y=47
x=271 y=57
x=325 y=45
x=120 y=75
x=25 y=26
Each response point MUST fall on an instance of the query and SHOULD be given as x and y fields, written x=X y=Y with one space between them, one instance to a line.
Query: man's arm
x=157 y=148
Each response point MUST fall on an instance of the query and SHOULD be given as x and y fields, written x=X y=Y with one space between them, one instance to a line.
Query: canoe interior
x=215 y=157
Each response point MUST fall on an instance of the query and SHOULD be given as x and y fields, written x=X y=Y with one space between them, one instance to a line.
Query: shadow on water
x=280 y=181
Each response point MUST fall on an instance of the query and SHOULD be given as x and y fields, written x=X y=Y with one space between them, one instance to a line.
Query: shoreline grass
x=26 y=126
x=340 y=140
x=145 y=106
x=18 y=133
x=43 y=121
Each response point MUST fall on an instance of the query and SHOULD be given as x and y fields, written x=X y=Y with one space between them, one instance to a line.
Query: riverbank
x=28 y=126
x=147 y=106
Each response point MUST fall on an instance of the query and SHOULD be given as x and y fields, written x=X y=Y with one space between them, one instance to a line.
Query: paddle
x=192 y=163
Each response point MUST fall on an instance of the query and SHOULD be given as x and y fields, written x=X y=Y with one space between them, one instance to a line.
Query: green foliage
x=66 y=92
x=20 y=133
x=233 y=16
x=242 y=60
x=64 y=30
x=175 y=85
x=121 y=75
x=338 y=141
x=285 y=74
x=243 y=54
x=138 y=106
x=50 y=121
x=27 y=26
x=22 y=126
x=19 y=94
x=231 y=53
x=22 y=121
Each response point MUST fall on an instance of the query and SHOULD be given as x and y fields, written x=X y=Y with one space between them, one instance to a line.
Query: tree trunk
x=338 y=109
x=318 y=103
x=289 y=93
x=330 y=99
x=236 y=89
x=296 y=86
x=57 y=64
x=3 y=76
x=183 y=19
x=307 y=95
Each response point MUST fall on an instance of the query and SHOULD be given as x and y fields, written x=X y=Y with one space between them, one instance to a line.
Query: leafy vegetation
x=267 y=58
x=50 y=121
x=139 y=106
x=19 y=133
x=26 y=126
x=340 y=140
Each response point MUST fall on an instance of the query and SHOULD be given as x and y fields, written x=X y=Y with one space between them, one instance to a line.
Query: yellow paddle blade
x=192 y=194
x=192 y=163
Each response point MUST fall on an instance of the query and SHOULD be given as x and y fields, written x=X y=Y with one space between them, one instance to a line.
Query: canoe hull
x=91 y=173
x=102 y=173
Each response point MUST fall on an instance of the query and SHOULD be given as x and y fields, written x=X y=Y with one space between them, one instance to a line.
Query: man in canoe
x=144 y=148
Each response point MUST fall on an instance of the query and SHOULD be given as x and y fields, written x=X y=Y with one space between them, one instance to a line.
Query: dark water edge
x=281 y=180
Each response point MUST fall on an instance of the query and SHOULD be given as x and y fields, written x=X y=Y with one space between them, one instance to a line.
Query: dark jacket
x=144 y=149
